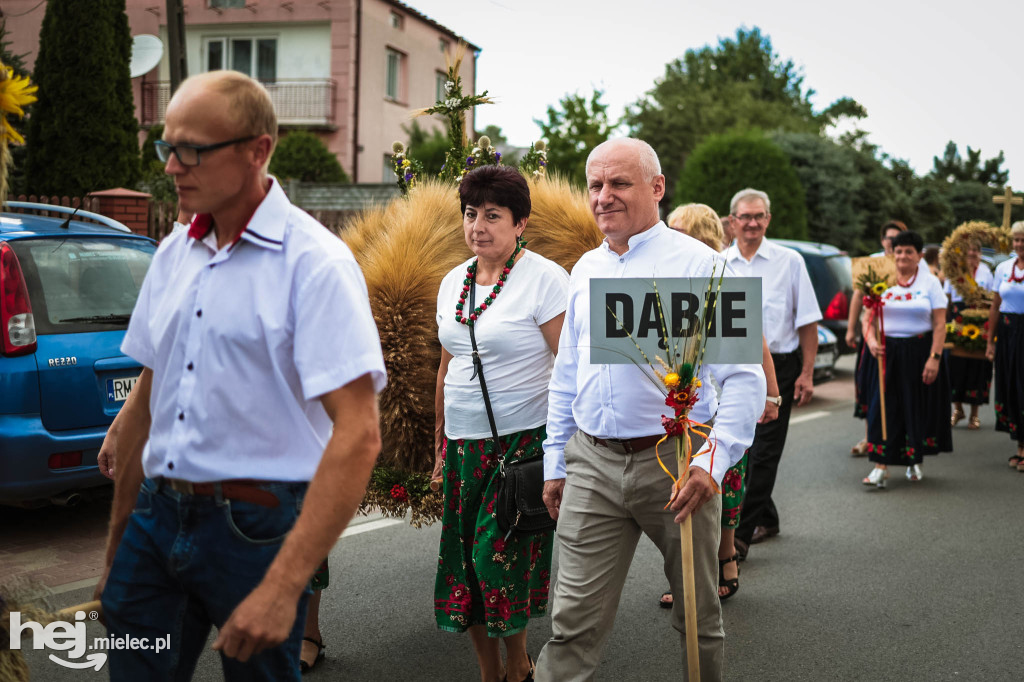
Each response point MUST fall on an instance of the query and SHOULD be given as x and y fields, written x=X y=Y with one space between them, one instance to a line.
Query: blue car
x=67 y=291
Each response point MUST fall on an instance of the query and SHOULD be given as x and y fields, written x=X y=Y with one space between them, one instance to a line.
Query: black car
x=832 y=278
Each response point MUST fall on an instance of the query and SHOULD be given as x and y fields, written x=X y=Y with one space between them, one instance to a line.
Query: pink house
x=349 y=70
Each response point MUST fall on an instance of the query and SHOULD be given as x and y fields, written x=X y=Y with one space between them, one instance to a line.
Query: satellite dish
x=147 y=51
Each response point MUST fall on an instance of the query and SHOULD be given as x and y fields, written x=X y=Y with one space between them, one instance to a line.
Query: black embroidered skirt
x=1010 y=375
x=917 y=415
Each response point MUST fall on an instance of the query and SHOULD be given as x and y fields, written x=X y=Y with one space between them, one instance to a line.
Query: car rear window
x=840 y=266
x=83 y=284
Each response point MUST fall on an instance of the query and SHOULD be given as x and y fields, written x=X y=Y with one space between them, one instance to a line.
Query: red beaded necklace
x=470 y=280
x=908 y=284
x=1013 y=272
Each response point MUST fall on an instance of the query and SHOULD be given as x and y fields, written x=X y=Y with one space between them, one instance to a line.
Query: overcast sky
x=927 y=72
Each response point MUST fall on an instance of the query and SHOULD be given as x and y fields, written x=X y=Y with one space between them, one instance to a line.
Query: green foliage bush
x=82 y=135
x=724 y=164
x=301 y=155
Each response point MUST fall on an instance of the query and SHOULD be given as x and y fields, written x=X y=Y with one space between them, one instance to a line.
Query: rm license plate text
x=118 y=389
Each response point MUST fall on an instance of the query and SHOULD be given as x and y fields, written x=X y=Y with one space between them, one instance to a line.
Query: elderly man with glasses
x=245 y=447
x=790 y=314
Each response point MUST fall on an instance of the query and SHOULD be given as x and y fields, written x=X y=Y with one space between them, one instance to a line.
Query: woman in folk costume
x=1006 y=317
x=489 y=583
x=917 y=405
x=969 y=378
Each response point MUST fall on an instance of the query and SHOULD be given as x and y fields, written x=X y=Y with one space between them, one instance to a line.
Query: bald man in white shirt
x=603 y=482
x=790 y=314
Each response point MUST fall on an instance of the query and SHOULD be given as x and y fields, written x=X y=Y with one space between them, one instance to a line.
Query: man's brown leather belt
x=241 y=489
x=625 y=446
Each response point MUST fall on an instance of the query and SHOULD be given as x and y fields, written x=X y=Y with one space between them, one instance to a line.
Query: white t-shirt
x=908 y=311
x=1012 y=293
x=517 y=360
x=983 y=276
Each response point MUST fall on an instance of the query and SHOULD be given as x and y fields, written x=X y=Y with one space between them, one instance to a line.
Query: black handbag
x=520 y=508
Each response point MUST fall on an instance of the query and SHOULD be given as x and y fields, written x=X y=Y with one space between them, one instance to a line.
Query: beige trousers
x=609 y=500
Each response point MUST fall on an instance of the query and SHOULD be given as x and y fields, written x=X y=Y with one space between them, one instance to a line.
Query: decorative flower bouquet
x=875 y=288
x=678 y=374
x=968 y=332
x=396 y=492
x=463 y=155
x=953 y=258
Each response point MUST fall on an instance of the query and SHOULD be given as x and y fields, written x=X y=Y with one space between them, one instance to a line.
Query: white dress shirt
x=617 y=401
x=243 y=340
x=787 y=295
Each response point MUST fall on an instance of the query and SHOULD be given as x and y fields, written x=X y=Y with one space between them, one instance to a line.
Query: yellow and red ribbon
x=690 y=426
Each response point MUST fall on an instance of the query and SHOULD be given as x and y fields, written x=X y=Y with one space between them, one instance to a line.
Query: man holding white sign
x=791 y=314
x=603 y=482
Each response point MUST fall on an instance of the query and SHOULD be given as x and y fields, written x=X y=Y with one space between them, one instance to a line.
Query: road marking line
x=808 y=417
x=77 y=585
x=371 y=525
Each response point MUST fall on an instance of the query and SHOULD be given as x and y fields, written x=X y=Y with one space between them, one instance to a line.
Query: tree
x=430 y=149
x=724 y=164
x=933 y=215
x=571 y=130
x=954 y=168
x=82 y=135
x=738 y=85
x=831 y=185
x=301 y=155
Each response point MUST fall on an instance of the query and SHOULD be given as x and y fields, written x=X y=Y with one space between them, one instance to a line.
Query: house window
x=389 y=170
x=444 y=45
x=226 y=4
x=396 y=20
x=256 y=57
x=393 y=82
x=440 y=79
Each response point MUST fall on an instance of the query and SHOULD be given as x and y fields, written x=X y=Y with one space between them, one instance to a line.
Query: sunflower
x=879 y=288
x=971 y=331
x=15 y=94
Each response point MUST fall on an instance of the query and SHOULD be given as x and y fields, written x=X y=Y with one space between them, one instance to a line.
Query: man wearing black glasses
x=255 y=334
x=790 y=314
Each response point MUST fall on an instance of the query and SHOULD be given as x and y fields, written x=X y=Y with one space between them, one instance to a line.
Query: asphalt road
x=916 y=582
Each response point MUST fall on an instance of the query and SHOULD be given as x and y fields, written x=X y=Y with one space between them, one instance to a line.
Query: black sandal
x=320 y=646
x=733 y=583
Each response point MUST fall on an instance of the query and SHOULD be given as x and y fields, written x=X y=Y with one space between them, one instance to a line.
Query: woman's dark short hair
x=908 y=238
x=931 y=255
x=501 y=185
x=892 y=225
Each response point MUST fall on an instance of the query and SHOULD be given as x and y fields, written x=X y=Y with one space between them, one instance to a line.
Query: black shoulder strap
x=478 y=369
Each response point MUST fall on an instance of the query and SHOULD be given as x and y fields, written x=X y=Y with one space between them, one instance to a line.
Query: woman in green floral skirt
x=489 y=584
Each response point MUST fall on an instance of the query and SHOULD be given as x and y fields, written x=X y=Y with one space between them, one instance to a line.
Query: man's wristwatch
x=776 y=400
x=935 y=356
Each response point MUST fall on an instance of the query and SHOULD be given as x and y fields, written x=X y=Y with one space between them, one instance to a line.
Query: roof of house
x=441 y=27
x=335 y=197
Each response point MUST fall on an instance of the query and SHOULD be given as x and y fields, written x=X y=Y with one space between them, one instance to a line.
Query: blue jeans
x=184 y=563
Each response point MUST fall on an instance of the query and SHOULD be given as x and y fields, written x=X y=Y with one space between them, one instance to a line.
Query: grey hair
x=1017 y=228
x=650 y=166
x=750 y=193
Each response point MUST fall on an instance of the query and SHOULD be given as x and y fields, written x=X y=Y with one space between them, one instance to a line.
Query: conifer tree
x=82 y=135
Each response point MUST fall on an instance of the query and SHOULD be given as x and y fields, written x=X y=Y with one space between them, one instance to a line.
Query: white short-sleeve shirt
x=242 y=342
x=516 y=358
x=1011 y=292
x=908 y=310
x=788 y=301
x=983 y=276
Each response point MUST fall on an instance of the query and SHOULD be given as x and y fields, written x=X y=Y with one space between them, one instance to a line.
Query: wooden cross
x=1008 y=201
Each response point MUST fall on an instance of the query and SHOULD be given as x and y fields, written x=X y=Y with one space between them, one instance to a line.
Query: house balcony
x=298 y=102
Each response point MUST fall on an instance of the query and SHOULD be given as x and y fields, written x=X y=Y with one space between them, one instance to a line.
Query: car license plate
x=118 y=389
x=823 y=359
